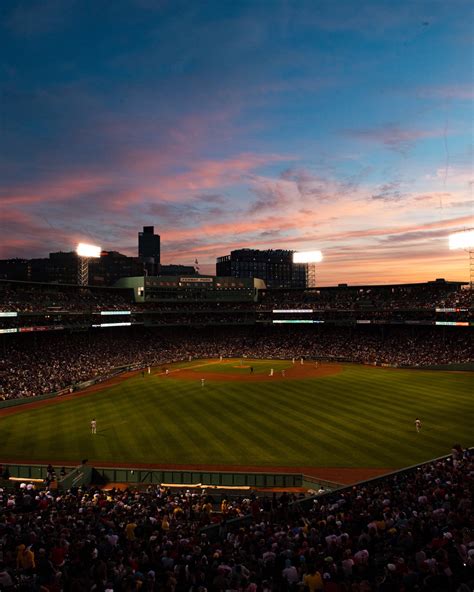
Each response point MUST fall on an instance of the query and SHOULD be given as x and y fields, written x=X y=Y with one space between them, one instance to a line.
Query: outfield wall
x=461 y=367
x=133 y=476
x=24 y=400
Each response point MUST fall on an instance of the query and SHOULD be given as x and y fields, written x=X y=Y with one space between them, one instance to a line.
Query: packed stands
x=403 y=297
x=35 y=297
x=410 y=531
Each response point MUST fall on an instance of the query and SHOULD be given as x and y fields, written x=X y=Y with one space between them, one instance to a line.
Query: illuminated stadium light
x=89 y=251
x=462 y=240
x=85 y=252
x=465 y=240
x=307 y=257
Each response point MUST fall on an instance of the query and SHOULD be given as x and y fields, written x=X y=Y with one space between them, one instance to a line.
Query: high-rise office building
x=275 y=267
x=149 y=244
x=149 y=249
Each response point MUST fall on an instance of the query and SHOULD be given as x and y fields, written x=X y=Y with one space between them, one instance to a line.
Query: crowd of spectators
x=408 y=532
x=32 y=365
x=369 y=298
x=27 y=297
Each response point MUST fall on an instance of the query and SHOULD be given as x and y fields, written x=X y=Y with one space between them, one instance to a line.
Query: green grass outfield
x=361 y=417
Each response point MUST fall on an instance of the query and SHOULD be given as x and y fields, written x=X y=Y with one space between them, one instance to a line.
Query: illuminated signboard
x=115 y=312
x=196 y=280
x=8 y=330
x=453 y=323
x=363 y=322
x=295 y=321
x=113 y=325
x=296 y=310
x=451 y=309
x=8 y=314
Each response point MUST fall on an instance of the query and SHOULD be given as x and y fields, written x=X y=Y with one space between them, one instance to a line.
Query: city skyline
x=343 y=127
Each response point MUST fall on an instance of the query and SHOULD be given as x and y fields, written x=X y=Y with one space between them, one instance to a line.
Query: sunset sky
x=344 y=126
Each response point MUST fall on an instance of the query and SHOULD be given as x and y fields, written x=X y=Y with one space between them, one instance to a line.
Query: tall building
x=149 y=249
x=275 y=267
x=15 y=269
x=62 y=268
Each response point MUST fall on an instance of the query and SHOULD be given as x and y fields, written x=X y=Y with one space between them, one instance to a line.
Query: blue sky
x=342 y=126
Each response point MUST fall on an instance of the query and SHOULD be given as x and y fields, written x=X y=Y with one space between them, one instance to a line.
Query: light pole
x=465 y=240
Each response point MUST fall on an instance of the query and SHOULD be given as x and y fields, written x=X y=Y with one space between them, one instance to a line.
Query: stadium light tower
x=310 y=258
x=84 y=253
x=465 y=240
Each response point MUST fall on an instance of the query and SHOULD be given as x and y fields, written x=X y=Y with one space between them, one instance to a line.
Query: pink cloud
x=202 y=176
x=210 y=174
x=244 y=228
x=59 y=188
x=384 y=230
x=160 y=185
x=30 y=235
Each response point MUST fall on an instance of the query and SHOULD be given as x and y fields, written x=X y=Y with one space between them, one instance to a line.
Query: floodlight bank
x=85 y=250
x=307 y=257
x=462 y=240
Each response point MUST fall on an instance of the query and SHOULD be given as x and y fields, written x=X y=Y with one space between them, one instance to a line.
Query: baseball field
x=234 y=414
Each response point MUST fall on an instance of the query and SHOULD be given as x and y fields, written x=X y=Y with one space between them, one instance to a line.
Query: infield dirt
x=296 y=372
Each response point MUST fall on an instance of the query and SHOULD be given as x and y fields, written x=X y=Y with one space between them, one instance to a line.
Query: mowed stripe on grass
x=361 y=417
